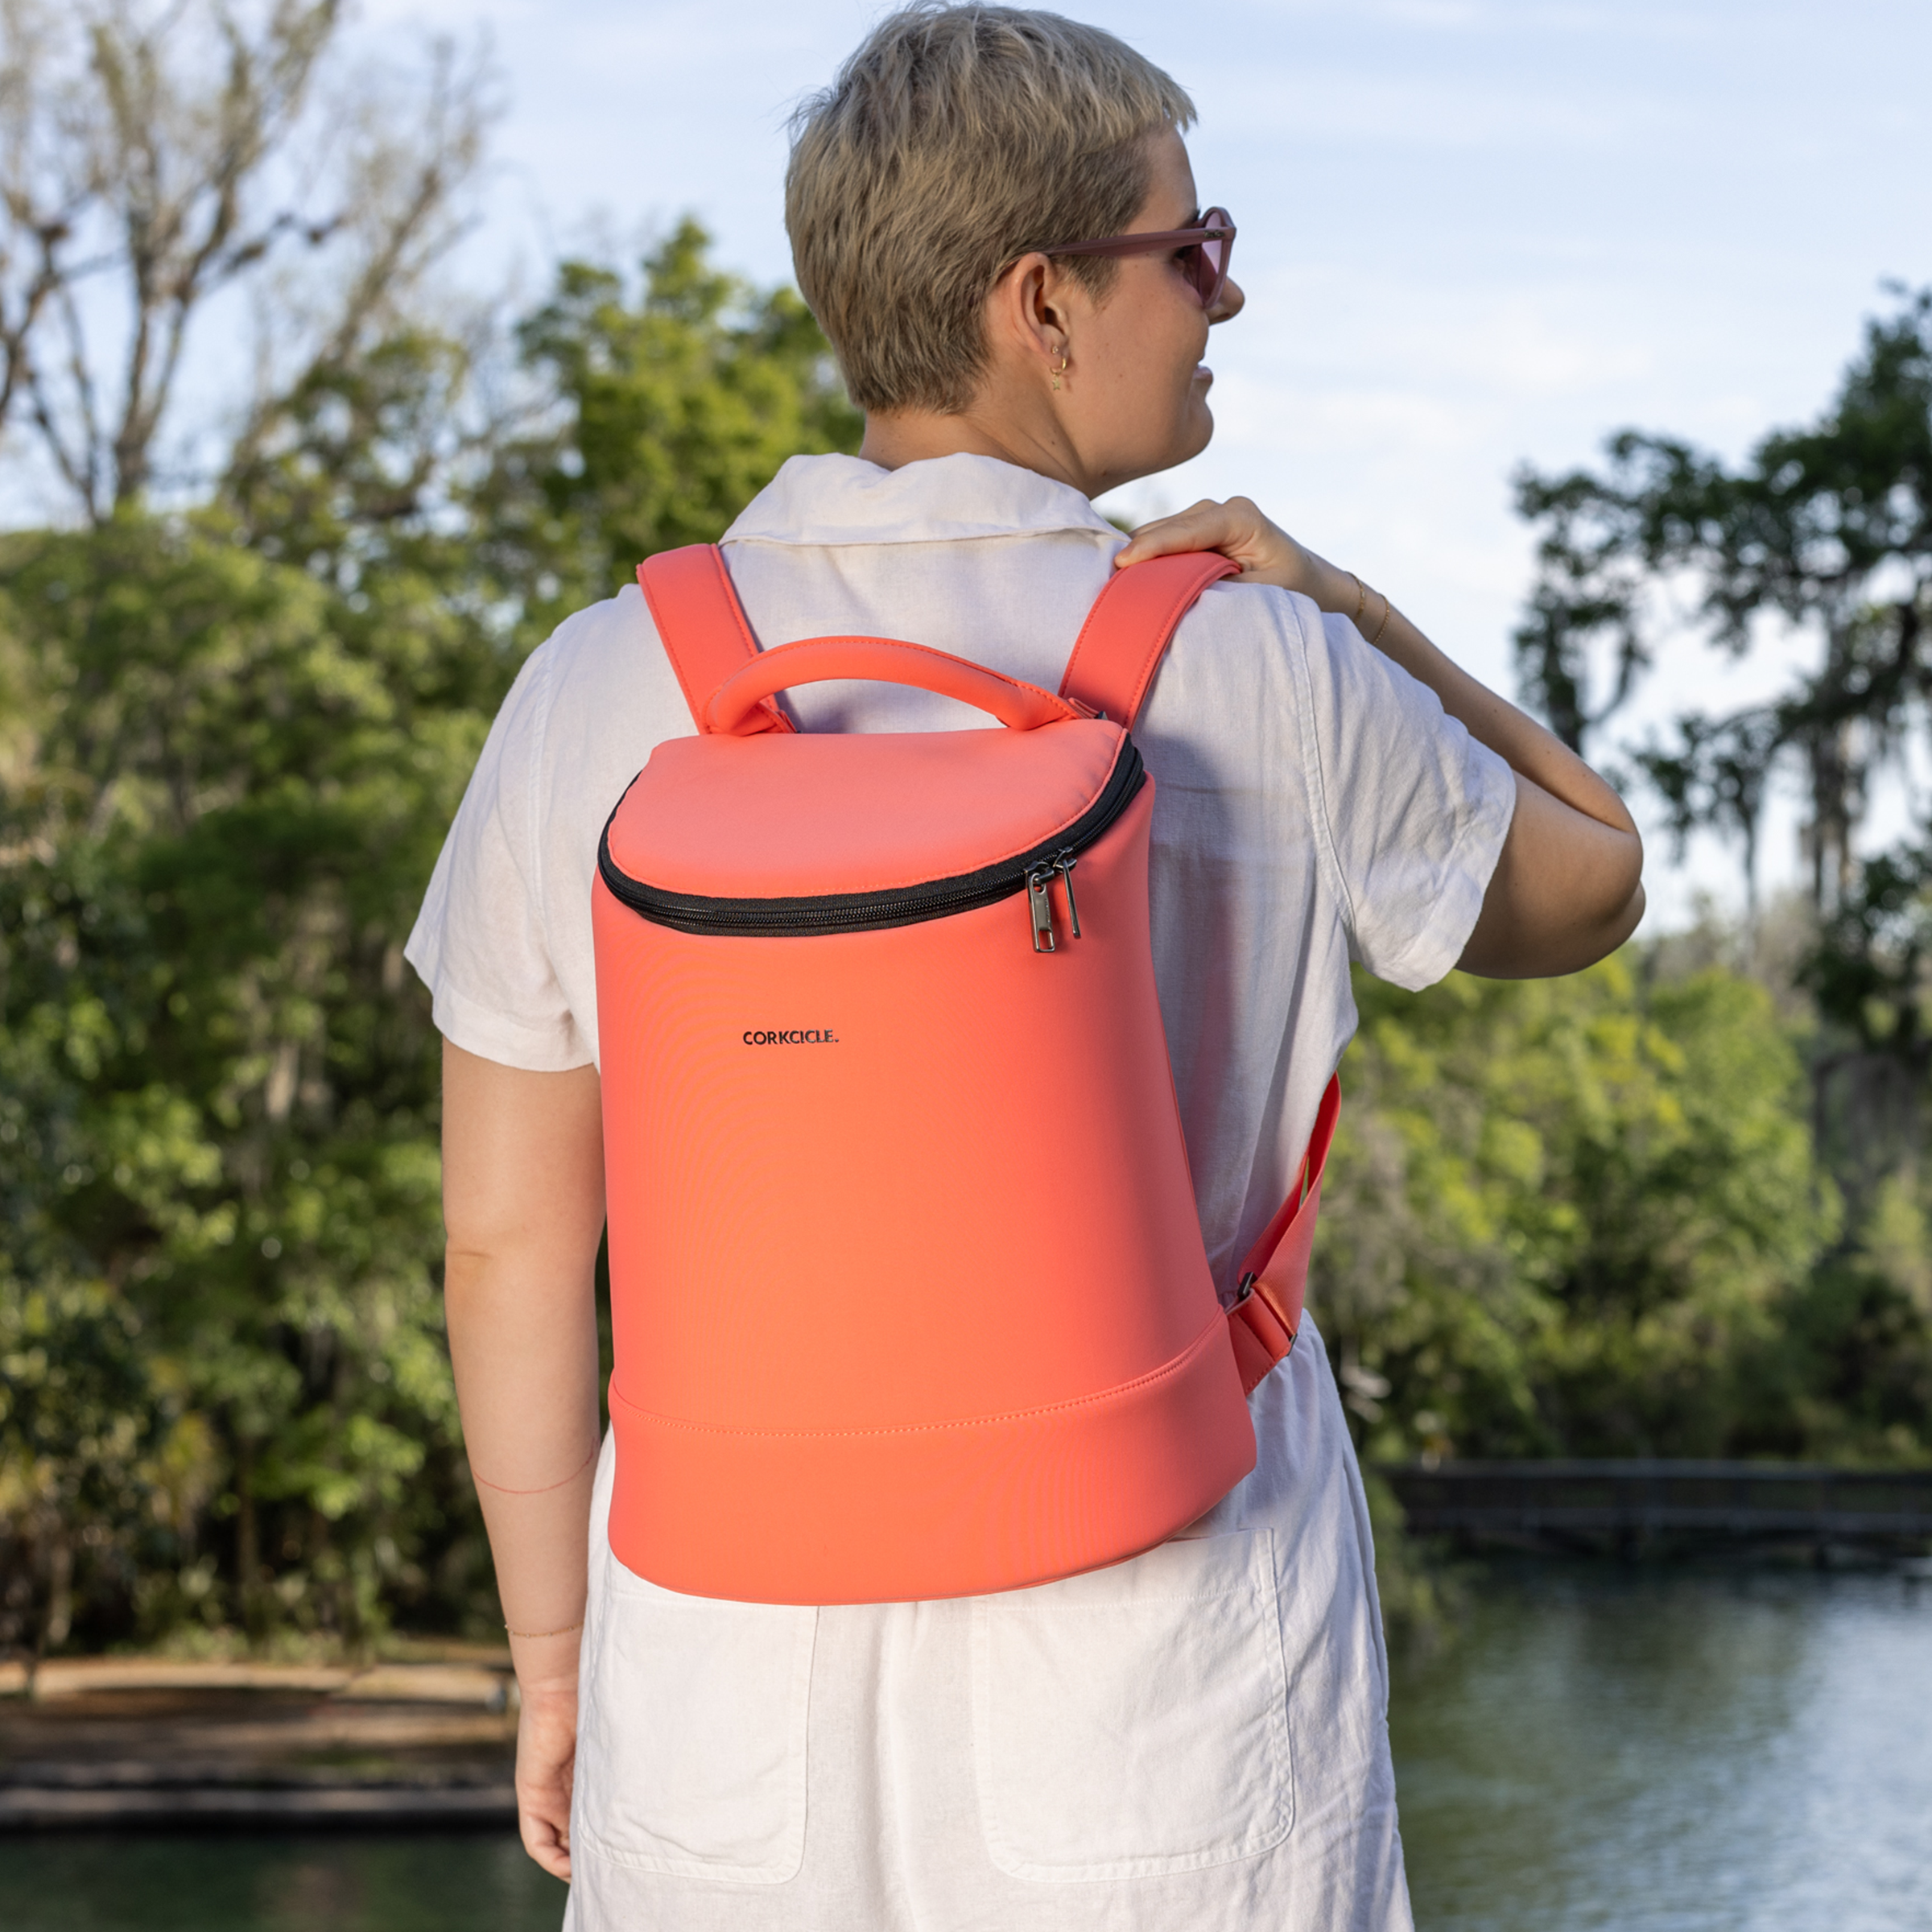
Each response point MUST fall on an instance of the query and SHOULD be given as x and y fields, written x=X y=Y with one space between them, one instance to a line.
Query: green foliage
x=1577 y=1217
x=362 y=468
x=1828 y=529
x=676 y=408
x=223 y=1328
x=1861 y=1328
x=230 y=745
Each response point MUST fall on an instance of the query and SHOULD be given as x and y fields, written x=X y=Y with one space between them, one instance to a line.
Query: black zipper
x=870 y=911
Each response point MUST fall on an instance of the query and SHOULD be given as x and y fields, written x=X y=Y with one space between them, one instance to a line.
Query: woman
x=993 y=217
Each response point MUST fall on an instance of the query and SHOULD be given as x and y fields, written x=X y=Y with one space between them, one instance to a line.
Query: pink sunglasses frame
x=1216 y=225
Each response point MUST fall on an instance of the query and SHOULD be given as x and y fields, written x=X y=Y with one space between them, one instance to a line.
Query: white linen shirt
x=1196 y=1738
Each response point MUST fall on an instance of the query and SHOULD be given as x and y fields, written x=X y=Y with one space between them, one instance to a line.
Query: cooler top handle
x=734 y=708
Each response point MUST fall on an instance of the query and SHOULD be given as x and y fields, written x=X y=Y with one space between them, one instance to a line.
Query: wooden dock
x=100 y=1742
x=1628 y=1505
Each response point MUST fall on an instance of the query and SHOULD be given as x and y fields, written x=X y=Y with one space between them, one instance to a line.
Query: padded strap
x=701 y=624
x=1275 y=1279
x=1120 y=648
x=1130 y=627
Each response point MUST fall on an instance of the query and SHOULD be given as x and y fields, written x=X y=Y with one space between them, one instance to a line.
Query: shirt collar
x=835 y=500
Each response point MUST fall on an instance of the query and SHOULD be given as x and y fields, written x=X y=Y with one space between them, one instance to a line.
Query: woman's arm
x=524 y=1204
x=1568 y=888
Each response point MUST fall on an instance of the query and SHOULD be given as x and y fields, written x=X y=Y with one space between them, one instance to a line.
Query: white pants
x=1193 y=1741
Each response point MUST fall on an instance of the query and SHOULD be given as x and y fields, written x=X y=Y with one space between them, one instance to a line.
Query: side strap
x=701 y=624
x=1262 y=1323
x=1130 y=627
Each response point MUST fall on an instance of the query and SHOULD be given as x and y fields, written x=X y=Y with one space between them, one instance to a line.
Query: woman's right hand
x=546 y=1757
x=1265 y=552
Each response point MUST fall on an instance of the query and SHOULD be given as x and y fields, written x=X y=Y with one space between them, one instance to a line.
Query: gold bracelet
x=1386 y=607
x=1361 y=597
x=529 y=1636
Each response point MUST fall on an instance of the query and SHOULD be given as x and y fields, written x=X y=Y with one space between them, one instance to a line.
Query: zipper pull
x=1039 y=903
x=1064 y=865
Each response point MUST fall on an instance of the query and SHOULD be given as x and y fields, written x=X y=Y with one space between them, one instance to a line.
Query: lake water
x=1658 y=1752
x=250 y=1882
x=1633 y=1752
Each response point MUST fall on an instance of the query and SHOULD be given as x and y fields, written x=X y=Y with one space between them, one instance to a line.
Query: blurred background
x=343 y=353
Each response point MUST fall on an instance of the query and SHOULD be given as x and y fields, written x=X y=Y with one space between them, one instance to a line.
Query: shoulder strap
x=1275 y=1279
x=1130 y=627
x=701 y=624
x=1120 y=648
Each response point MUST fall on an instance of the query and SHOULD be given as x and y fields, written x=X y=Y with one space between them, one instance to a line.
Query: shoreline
x=155 y=1744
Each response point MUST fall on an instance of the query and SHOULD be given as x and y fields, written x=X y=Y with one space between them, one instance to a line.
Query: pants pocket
x=693 y=1741
x=1133 y=1722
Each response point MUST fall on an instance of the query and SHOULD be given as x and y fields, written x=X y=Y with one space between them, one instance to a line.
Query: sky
x=1474 y=234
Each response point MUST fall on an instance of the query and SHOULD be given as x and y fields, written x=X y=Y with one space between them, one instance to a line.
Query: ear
x=1028 y=313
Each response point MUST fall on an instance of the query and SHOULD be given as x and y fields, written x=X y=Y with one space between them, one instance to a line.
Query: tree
x=216 y=1137
x=669 y=411
x=231 y=740
x=164 y=167
x=1572 y=1218
x=1828 y=528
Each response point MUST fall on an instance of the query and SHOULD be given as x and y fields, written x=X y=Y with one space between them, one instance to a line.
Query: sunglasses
x=1203 y=250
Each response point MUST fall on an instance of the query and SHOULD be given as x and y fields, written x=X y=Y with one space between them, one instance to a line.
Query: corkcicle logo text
x=792 y=1036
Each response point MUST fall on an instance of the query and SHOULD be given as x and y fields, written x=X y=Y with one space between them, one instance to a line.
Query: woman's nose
x=1228 y=304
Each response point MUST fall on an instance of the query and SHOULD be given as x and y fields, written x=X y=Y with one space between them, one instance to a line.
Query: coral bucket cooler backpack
x=908 y=1288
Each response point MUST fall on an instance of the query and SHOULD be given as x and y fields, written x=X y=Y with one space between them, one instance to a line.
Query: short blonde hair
x=956 y=139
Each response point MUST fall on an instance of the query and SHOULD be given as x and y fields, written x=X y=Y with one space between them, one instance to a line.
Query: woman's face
x=1134 y=397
